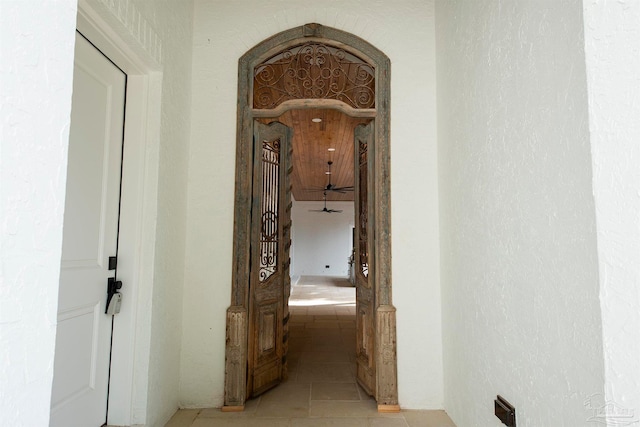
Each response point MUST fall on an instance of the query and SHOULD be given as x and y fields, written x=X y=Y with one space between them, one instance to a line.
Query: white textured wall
x=172 y=21
x=224 y=31
x=36 y=67
x=320 y=239
x=519 y=261
x=612 y=45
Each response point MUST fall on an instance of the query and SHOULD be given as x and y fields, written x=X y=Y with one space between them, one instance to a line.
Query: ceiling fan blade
x=334 y=189
x=326 y=210
x=342 y=190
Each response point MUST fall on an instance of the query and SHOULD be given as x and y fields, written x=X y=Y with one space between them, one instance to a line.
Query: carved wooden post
x=387 y=391
x=235 y=360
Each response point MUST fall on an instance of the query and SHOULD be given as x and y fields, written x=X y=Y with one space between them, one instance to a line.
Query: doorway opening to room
x=294 y=73
x=322 y=344
x=321 y=351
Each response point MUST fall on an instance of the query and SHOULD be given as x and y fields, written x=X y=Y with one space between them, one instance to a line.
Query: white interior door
x=81 y=369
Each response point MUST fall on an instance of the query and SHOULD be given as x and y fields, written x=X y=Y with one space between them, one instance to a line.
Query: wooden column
x=235 y=385
x=387 y=381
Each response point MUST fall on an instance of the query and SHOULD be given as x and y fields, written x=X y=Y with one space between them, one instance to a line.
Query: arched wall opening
x=250 y=108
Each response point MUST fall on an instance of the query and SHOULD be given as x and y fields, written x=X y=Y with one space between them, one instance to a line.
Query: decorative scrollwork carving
x=235 y=352
x=269 y=226
x=362 y=152
x=388 y=354
x=269 y=219
x=363 y=208
x=314 y=70
x=271 y=151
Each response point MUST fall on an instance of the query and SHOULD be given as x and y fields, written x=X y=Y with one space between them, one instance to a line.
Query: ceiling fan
x=332 y=187
x=325 y=206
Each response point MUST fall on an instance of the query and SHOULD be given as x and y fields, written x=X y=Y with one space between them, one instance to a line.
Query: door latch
x=114 y=298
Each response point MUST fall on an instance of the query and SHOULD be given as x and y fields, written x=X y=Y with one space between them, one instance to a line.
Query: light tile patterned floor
x=321 y=390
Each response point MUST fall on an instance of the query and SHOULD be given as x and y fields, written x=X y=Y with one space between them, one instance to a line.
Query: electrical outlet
x=505 y=411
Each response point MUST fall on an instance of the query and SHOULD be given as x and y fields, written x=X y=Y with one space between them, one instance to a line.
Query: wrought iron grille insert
x=363 y=209
x=269 y=235
x=316 y=71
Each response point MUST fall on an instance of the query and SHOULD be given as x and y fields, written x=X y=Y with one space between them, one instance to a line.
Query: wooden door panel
x=365 y=295
x=270 y=242
x=365 y=367
x=268 y=350
x=267 y=330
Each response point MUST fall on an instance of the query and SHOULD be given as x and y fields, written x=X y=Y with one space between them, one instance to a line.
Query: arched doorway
x=311 y=66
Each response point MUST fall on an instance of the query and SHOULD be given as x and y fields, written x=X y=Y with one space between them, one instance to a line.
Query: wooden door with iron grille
x=270 y=283
x=365 y=293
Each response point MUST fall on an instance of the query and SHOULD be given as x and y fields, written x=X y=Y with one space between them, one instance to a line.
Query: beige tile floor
x=321 y=390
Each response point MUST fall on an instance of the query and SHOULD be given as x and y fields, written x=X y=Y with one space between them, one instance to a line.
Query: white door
x=81 y=369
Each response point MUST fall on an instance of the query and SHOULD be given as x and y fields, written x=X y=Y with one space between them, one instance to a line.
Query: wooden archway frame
x=237 y=314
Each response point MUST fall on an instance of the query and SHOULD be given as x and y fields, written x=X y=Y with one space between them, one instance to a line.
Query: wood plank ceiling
x=311 y=142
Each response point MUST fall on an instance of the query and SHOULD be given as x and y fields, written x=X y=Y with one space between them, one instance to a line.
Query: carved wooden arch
x=236 y=342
